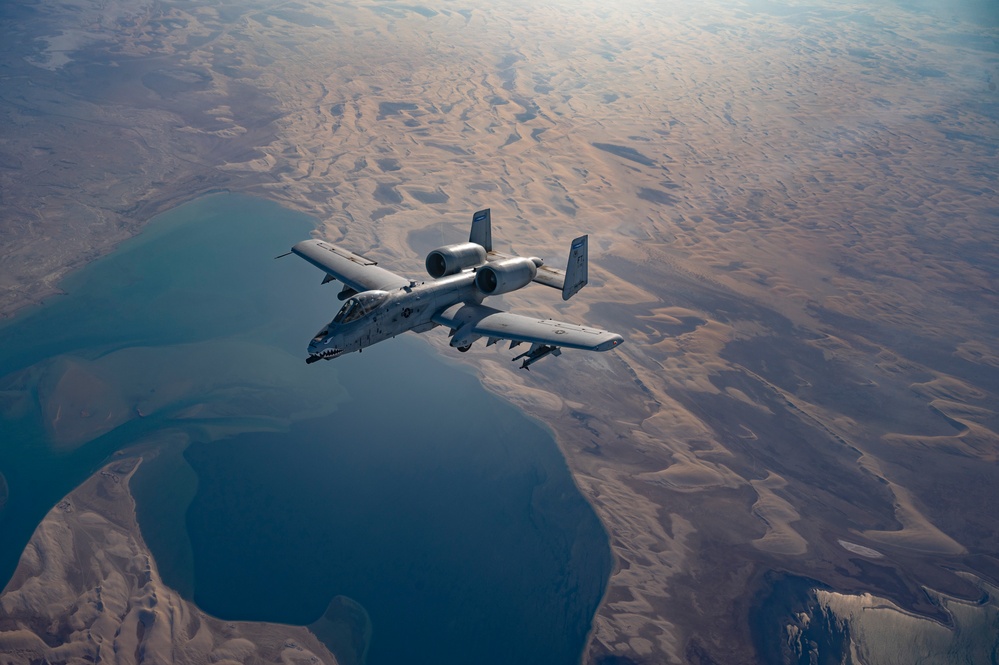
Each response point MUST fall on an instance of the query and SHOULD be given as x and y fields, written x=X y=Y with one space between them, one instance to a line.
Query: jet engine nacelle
x=506 y=275
x=453 y=259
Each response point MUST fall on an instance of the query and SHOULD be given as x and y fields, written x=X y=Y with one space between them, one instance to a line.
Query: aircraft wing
x=354 y=270
x=473 y=321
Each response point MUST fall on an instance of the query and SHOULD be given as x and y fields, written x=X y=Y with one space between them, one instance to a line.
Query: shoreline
x=248 y=203
x=122 y=603
x=789 y=217
x=47 y=286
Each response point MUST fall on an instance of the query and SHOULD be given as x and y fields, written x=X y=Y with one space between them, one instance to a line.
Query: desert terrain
x=792 y=213
x=87 y=590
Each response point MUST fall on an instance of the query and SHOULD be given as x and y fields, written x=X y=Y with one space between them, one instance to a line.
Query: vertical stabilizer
x=576 y=274
x=482 y=233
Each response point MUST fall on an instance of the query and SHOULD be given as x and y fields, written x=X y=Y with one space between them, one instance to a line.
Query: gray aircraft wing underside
x=471 y=321
x=354 y=270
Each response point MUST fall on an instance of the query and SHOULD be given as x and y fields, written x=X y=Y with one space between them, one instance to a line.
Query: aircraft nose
x=318 y=343
x=325 y=349
x=326 y=342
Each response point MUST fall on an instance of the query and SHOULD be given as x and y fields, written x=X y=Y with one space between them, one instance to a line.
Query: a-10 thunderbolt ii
x=380 y=304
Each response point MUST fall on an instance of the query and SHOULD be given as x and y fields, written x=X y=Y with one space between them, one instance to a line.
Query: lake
x=429 y=520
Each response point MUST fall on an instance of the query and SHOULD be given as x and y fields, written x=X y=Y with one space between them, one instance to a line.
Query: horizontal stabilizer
x=568 y=281
x=549 y=276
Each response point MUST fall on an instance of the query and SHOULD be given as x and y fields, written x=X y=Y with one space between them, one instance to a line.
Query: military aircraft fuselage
x=379 y=304
x=392 y=313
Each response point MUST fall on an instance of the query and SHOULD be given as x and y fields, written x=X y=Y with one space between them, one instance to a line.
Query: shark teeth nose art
x=323 y=355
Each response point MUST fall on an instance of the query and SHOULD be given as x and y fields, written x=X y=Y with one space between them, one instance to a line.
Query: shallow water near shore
x=391 y=478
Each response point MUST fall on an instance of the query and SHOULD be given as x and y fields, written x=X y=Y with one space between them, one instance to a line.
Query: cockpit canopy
x=360 y=305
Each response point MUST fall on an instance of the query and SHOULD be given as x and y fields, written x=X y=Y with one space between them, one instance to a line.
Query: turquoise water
x=442 y=524
x=179 y=319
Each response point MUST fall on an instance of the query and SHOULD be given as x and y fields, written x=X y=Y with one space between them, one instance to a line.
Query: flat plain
x=792 y=212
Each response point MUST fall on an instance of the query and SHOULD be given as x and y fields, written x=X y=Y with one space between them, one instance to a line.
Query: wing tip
x=613 y=342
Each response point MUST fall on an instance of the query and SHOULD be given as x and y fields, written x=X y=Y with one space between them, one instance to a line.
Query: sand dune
x=882 y=632
x=791 y=219
x=87 y=590
x=778 y=515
